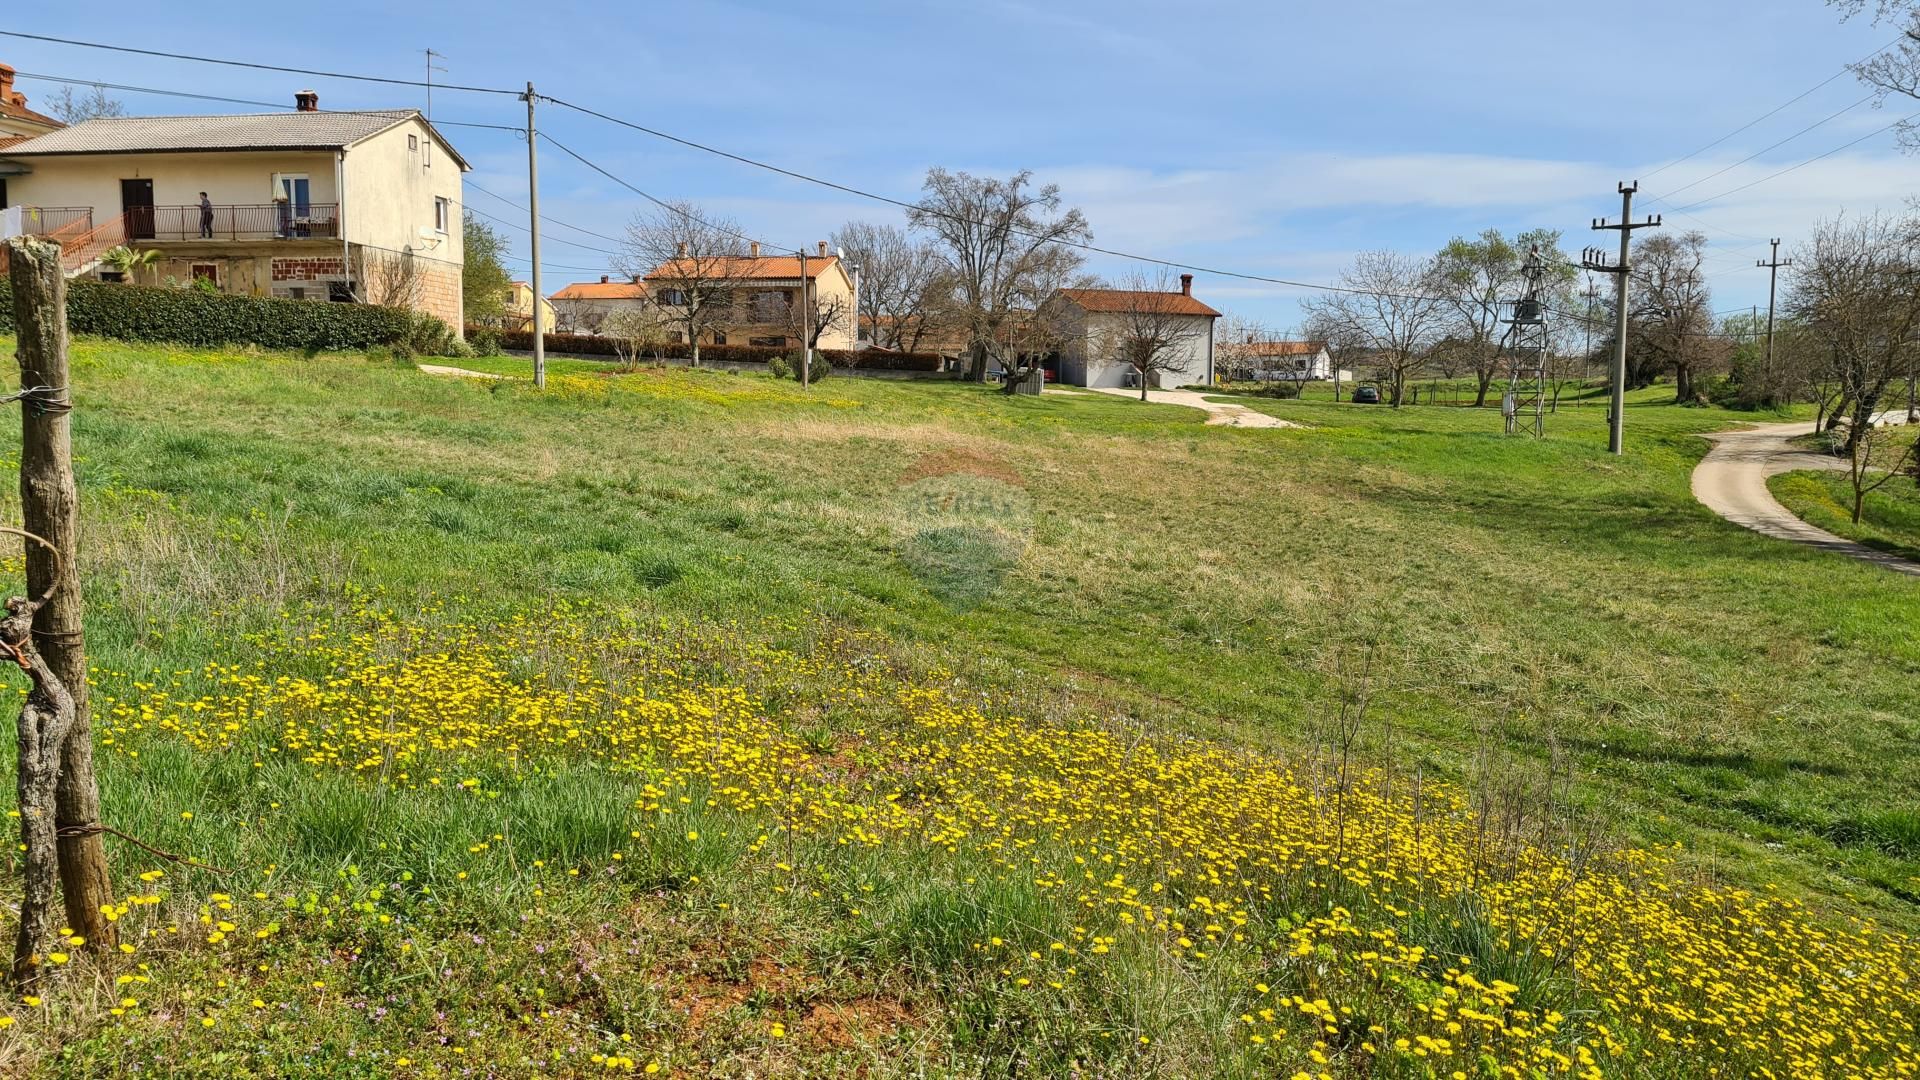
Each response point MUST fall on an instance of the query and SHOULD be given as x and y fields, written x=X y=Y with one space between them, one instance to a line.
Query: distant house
x=1089 y=323
x=345 y=206
x=766 y=305
x=1286 y=359
x=18 y=124
x=517 y=313
x=585 y=307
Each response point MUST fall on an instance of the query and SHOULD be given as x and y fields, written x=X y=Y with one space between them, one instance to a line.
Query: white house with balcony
x=344 y=206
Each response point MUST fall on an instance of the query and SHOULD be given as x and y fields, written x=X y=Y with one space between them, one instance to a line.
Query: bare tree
x=1856 y=294
x=1669 y=311
x=1896 y=69
x=94 y=104
x=1875 y=455
x=901 y=282
x=692 y=264
x=812 y=315
x=996 y=237
x=1150 y=332
x=1389 y=315
x=391 y=278
x=634 y=332
x=1238 y=344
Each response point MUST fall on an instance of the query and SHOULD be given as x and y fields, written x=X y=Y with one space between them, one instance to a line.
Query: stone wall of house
x=440 y=295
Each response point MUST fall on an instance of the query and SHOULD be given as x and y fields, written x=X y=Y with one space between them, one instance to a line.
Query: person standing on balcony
x=206 y=217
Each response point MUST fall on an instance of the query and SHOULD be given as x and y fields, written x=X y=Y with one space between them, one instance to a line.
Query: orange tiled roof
x=747 y=268
x=602 y=290
x=1120 y=301
x=1285 y=348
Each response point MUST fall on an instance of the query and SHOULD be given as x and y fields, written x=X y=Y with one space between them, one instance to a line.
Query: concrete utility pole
x=1773 y=265
x=806 y=326
x=1595 y=259
x=533 y=251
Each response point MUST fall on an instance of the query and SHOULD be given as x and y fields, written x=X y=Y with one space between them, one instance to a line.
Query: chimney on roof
x=680 y=250
x=603 y=279
x=306 y=101
x=636 y=279
x=823 y=249
x=753 y=248
x=7 y=96
x=1186 y=284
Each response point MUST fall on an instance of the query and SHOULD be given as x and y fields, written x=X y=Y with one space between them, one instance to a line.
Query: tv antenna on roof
x=431 y=68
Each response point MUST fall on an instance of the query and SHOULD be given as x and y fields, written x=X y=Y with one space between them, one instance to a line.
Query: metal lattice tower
x=1525 y=343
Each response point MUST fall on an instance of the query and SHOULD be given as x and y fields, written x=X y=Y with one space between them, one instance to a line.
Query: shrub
x=484 y=342
x=779 y=368
x=196 y=317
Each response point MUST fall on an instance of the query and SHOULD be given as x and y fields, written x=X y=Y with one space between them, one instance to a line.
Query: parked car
x=1366 y=395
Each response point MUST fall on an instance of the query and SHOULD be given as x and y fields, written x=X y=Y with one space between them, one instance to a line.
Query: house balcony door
x=136 y=199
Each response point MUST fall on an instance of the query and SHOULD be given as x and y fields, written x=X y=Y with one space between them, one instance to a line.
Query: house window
x=413 y=142
x=672 y=298
x=3 y=193
x=676 y=337
x=775 y=342
x=719 y=338
x=207 y=272
x=442 y=214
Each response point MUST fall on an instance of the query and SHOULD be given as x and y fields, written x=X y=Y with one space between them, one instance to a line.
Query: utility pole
x=806 y=326
x=533 y=249
x=1773 y=265
x=1595 y=259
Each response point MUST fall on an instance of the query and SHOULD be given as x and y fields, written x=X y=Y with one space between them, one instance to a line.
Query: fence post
x=49 y=502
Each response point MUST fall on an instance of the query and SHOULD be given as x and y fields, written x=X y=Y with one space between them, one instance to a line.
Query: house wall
x=586 y=316
x=388 y=208
x=1188 y=365
x=230 y=179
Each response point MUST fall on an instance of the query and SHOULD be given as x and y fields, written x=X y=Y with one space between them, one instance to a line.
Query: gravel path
x=1219 y=413
x=1732 y=481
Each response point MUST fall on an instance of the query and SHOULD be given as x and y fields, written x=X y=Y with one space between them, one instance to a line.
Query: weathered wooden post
x=49 y=505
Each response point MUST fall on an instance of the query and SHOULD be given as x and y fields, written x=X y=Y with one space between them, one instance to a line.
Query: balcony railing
x=270 y=221
x=46 y=221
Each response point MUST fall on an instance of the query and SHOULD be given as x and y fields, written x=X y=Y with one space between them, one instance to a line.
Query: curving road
x=1732 y=481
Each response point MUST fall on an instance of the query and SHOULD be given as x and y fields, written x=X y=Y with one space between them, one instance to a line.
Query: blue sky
x=1274 y=139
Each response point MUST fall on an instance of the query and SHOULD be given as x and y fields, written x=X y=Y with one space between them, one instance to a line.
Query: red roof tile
x=602 y=290
x=1120 y=301
x=744 y=268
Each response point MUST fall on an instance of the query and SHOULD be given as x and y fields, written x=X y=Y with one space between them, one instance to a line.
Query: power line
x=1775 y=110
x=256 y=66
x=1775 y=146
x=276 y=105
x=551 y=220
x=661 y=203
x=1817 y=157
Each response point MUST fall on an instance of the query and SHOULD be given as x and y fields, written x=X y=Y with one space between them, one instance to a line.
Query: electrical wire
x=275 y=105
x=1817 y=157
x=258 y=66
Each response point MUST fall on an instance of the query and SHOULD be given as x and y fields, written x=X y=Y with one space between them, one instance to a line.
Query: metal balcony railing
x=269 y=221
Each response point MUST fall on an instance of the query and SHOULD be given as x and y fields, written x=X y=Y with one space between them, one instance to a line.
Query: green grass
x=1540 y=600
x=1889 y=518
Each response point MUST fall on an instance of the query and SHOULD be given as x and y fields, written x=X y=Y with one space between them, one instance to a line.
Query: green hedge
x=193 y=317
x=595 y=345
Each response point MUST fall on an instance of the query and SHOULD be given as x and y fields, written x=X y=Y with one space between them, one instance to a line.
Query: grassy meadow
x=688 y=723
x=1889 y=517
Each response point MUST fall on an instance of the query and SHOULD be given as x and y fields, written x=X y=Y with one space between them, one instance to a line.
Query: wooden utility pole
x=806 y=326
x=49 y=502
x=1596 y=260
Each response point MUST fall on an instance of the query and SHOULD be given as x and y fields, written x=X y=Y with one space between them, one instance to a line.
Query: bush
x=196 y=317
x=779 y=368
x=484 y=342
x=1287 y=389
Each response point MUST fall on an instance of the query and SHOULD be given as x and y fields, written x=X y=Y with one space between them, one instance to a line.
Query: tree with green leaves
x=1476 y=277
x=485 y=282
